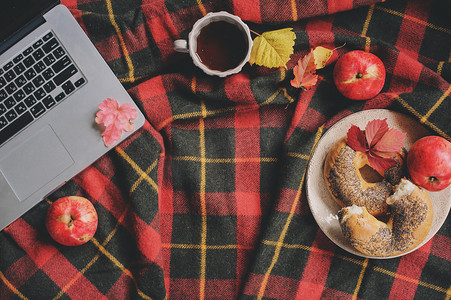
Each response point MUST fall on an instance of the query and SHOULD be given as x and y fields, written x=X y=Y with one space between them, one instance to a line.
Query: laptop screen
x=16 y=13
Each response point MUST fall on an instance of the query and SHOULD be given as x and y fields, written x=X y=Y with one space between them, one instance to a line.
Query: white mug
x=237 y=41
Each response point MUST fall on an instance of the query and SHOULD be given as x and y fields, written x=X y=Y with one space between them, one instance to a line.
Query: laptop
x=52 y=80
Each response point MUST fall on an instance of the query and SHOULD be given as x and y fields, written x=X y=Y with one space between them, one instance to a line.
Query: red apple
x=359 y=75
x=71 y=220
x=429 y=163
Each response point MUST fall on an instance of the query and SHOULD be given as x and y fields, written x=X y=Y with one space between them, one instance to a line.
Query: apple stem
x=359 y=75
x=433 y=179
x=71 y=221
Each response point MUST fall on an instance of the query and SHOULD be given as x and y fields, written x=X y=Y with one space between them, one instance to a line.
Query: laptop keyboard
x=33 y=82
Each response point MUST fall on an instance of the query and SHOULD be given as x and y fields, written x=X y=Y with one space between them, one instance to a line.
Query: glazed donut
x=348 y=185
x=411 y=216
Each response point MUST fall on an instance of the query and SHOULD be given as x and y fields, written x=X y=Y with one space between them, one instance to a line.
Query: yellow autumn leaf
x=273 y=49
x=322 y=55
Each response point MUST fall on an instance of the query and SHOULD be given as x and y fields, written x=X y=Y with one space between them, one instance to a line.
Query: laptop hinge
x=29 y=27
x=21 y=33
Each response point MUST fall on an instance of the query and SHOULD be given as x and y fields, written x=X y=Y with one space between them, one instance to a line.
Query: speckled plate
x=324 y=208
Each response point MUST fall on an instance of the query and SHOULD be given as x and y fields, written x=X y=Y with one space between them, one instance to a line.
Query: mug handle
x=181 y=46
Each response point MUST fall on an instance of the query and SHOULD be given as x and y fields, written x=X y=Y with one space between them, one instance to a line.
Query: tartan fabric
x=208 y=200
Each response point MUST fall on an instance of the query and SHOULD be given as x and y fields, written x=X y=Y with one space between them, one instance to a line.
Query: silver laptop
x=52 y=80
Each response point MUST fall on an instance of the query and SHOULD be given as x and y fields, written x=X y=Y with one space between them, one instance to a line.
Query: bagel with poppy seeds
x=350 y=180
x=411 y=216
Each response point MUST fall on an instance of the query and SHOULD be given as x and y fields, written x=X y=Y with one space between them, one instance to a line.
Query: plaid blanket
x=208 y=200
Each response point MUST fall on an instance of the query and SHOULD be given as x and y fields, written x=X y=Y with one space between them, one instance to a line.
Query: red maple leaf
x=378 y=142
x=116 y=119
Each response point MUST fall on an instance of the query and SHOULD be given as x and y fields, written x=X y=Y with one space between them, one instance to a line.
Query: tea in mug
x=221 y=46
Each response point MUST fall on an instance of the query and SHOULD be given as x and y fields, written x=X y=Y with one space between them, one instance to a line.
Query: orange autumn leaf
x=116 y=119
x=305 y=69
x=304 y=72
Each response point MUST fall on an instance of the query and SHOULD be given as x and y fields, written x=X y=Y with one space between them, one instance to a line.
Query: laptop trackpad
x=35 y=163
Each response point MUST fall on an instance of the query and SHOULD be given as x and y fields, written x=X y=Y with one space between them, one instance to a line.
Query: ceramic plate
x=324 y=208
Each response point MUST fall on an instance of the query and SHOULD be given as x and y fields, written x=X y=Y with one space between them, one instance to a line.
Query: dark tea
x=221 y=46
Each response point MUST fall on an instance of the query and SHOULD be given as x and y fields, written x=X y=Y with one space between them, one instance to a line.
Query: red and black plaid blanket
x=208 y=200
